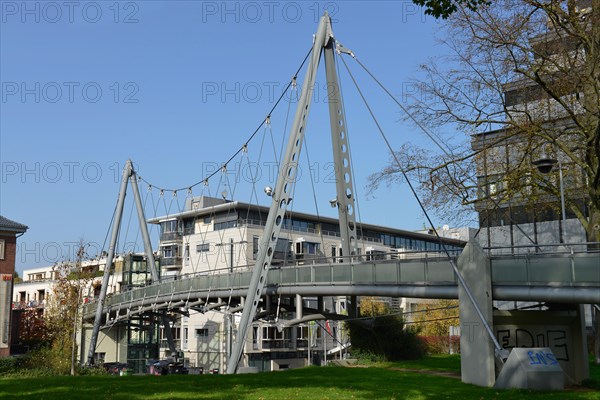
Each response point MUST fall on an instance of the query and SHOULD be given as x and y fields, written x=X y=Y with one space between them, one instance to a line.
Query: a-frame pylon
x=324 y=43
x=129 y=175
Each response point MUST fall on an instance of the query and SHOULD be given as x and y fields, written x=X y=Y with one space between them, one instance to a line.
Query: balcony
x=171 y=262
x=268 y=344
x=171 y=236
x=26 y=305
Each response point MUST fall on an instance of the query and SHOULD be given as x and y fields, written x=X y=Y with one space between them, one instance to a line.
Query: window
x=302 y=332
x=202 y=247
x=1 y=249
x=188 y=226
x=99 y=358
x=170 y=226
x=170 y=251
x=375 y=255
x=307 y=248
x=201 y=332
x=254 y=247
x=170 y=230
x=255 y=337
x=187 y=252
x=225 y=225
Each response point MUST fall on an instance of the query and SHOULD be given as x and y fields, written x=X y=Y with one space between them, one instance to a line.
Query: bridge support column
x=476 y=347
x=299 y=307
x=582 y=368
x=353 y=307
x=596 y=330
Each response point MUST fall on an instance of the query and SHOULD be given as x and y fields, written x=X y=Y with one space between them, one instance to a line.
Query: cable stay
x=244 y=146
x=501 y=354
x=439 y=143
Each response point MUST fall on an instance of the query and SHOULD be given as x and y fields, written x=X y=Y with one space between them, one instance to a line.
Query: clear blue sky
x=178 y=86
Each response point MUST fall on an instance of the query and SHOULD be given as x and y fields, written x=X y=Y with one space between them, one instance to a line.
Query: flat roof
x=234 y=205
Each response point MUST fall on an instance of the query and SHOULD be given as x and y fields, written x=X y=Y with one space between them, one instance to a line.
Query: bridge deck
x=572 y=278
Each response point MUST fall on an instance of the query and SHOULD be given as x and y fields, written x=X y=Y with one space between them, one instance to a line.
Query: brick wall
x=7 y=265
x=7 y=269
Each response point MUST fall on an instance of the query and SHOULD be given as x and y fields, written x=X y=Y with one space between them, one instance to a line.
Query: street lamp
x=545 y=164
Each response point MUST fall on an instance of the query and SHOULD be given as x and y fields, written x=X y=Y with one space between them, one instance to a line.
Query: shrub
x=92 y=370
x=8 y=365
x=385 y=337
x=441 y=344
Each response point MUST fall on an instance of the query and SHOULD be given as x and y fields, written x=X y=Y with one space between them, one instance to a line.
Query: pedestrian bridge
x=561 y=277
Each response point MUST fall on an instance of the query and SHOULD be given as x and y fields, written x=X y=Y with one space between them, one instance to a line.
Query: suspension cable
x=442 y=244
x=448 y=152
x=245 y=145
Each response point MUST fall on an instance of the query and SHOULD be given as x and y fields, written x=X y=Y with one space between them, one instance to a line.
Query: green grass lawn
x=374 y=382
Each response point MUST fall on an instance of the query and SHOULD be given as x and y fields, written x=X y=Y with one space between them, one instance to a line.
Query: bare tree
x=527 y=71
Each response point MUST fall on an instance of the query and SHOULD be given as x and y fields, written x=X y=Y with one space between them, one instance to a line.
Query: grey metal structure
x=149 y=254
x=341 y=154
x=128 y=175
x=282 y=195
x=109 y=261
x=565 y=278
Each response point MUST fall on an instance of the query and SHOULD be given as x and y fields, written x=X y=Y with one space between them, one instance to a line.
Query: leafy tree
x=528 y=71
x=436 y=317
x=444 y=8
x=434 y=320
x=62 y=316
x=383 y=336
x=33 y=331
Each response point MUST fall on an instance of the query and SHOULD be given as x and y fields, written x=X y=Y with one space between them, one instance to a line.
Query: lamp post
x=545 y=164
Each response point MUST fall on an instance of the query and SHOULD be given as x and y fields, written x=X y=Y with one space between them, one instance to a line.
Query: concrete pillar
x=353 y=306
x=580 y=350
x=299 y=306
x=476 y=347
x=596 y=330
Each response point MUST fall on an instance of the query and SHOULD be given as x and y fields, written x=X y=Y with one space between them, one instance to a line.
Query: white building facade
x=213 y=235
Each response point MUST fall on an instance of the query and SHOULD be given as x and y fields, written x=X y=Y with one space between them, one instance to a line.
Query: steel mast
x=323 y=42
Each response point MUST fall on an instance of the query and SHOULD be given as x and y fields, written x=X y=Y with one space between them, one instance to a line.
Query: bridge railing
x=565 y=269
x=547 y=249
x=560 y=268
x=411 y=267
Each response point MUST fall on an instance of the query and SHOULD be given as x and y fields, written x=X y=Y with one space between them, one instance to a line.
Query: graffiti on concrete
x=557 y=339
x=541 y=358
